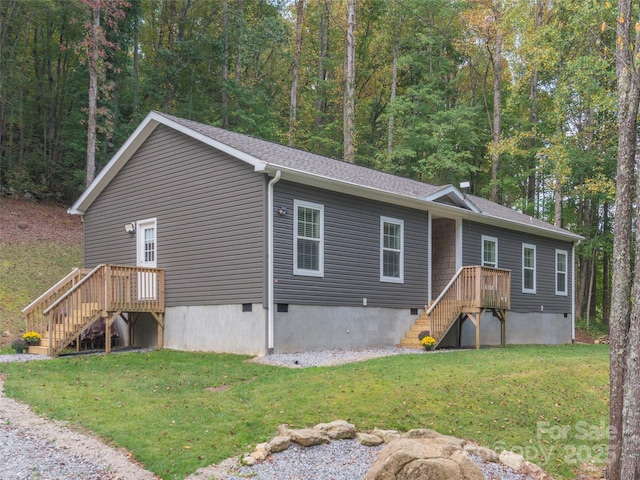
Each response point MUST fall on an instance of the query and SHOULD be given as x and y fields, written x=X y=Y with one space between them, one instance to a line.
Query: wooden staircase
x=469 y=293
x=71 y=306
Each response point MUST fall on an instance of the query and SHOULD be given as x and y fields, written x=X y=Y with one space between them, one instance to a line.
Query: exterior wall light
x=130 y=228
x=282 y=211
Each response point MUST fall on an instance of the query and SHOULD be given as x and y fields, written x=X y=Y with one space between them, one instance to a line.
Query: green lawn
x=27 y=271
x=179 y=411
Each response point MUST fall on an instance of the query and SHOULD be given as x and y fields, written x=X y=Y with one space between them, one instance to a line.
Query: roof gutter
x=270 y=274
x=417 y=203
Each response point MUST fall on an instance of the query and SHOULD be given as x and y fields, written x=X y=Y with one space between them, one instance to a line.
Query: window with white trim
x=391 y=250
x=308 y=244
x=489 y=251
x=562 y=270
x=528 y=268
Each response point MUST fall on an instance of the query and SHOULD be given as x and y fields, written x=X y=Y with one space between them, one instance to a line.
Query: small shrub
x=19 y=345
x=422 y=334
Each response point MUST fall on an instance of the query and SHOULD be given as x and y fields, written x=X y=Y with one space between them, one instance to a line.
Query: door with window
x=147 y=256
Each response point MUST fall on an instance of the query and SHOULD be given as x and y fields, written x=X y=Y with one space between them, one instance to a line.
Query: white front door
x=147 y=256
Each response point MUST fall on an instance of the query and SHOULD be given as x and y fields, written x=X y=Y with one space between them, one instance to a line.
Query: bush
x=19 y=345
x=422 y=334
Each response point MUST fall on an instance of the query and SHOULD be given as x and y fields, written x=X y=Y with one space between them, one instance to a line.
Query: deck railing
x=471 y=289
x=74 y=303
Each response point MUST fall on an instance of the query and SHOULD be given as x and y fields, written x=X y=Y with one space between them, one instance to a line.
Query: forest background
x=518 y=97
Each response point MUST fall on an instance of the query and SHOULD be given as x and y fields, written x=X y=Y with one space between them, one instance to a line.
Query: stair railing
x=33 y=312
x=69 y=314
x=470 y=288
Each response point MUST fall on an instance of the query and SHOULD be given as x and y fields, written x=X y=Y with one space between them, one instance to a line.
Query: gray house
x=266 y=248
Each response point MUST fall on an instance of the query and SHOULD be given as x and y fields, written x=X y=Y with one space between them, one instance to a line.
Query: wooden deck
x=64 y=312
x=469 y=293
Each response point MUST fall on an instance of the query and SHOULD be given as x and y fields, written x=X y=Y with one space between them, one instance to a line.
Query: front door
x=147 y=256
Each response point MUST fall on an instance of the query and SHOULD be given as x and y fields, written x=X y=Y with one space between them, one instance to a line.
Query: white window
x=489 y=251
x=562 y=269
x=528 y=268
x=391 y=250
x=308 y=244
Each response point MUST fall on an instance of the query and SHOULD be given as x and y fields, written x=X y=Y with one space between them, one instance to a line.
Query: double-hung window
x=561 y=272
x=391 y=250
x=489 y=251
x=528 y=268
x=308 y=244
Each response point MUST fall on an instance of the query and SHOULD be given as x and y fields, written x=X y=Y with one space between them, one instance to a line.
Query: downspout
x=270 y=279
x=573 y=291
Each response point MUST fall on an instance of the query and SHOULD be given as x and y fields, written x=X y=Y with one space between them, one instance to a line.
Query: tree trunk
x=392 y=97
x=630 y=456
x=533 y=116
x=136 y=78
x=293 y=106
x=323 y=48
x=606 y=275
x=349 y=83
x=225 y=63
x=93 y=58
x=618 y=466
x=496 y=130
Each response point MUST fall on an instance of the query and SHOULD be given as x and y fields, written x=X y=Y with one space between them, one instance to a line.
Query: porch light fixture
x=282 y=211
x=130 y=228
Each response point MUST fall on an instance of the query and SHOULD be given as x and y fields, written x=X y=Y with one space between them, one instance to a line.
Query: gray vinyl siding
x=210 y=220
x=510 y=243
x=351 y=252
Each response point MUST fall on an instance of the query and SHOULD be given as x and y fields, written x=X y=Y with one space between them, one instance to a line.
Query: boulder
x=386 y=435
x=338 y=430
x=308 y=437
x=280 y=443
x=427 y=433
x=484 y=453
x=512 y=460
x=261 y=452
x=424 y=458
x=535 y=472
x=369 y=439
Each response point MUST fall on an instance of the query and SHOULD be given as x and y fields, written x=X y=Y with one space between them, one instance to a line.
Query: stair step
x=38 y=350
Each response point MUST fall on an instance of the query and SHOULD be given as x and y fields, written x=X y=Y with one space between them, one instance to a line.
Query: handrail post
x=105 y=283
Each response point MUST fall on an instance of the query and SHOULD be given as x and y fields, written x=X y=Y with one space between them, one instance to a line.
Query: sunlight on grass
x=169 y=409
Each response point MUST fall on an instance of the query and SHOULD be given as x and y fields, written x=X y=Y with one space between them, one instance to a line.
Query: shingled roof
x=271 y=156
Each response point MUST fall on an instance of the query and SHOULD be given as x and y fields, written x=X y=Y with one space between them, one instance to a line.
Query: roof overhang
x=435 y=208
x=133 y=143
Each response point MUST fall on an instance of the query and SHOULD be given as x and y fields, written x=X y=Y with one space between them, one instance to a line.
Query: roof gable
x=311 y=169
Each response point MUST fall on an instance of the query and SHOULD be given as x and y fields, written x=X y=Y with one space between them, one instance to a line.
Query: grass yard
x=178 y=411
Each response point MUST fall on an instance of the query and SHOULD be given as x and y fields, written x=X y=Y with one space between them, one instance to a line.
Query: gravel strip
x=327 y=358
x=22 y=357
x=339 y=460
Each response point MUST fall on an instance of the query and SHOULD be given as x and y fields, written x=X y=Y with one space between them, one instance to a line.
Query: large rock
x=512 y=460
x=484 y=453
x=423 y=458
x=308 y=437
x=369 y=439
x=338 y=430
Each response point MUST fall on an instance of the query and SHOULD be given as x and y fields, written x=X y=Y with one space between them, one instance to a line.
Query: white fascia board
x=439 y=209
x=116 y=163
x=137 y=138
